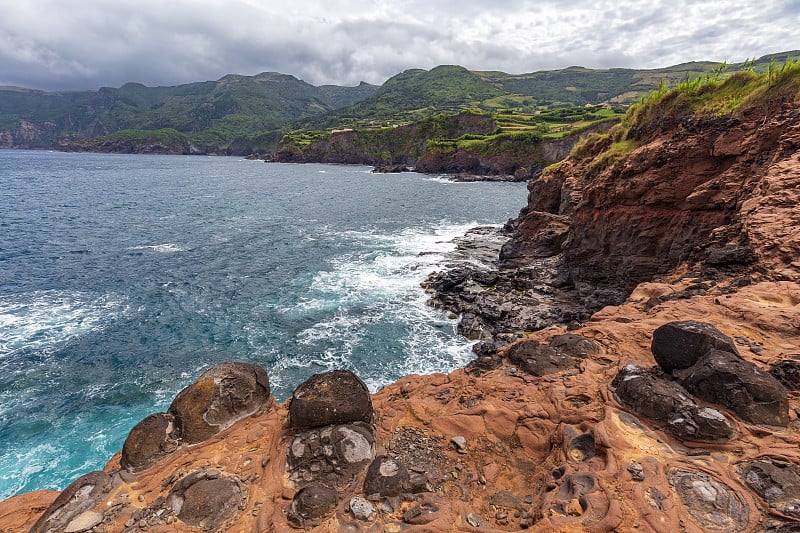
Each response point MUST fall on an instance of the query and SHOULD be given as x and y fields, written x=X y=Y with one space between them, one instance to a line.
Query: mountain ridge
x=239 y=114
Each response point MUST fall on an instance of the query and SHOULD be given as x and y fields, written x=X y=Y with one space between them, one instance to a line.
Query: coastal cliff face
x=674 y=409
x=713 y=192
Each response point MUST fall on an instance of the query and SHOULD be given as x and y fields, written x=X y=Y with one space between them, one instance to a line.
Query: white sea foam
x=379 y=287
x=166 y=248
x=43 y=320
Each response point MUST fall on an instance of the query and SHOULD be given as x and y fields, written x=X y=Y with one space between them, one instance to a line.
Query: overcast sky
x=86 y=44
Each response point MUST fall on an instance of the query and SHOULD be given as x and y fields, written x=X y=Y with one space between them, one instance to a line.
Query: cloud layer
x=85 y=44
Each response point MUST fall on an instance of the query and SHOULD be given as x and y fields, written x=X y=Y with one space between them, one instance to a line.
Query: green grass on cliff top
x=714 y=94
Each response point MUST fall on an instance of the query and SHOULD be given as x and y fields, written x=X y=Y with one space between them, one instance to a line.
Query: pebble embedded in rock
x=84 y=522
x=476 y=521
x=361 y=508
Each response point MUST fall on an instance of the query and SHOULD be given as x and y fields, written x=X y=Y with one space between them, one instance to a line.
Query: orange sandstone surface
x=706 y=207
x=519 y=432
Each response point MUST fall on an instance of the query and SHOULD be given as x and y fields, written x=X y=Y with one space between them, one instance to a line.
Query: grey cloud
x=87 y=44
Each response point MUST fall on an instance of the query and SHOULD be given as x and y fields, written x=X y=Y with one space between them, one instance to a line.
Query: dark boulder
x=336 y=397
x=332 y=455
x=679 y=345
x=788 y=373
x=538 y=359
x=312 y=503
x=74 y=503
x=574 y=345
x=667 y=402
x=710 y=503
x=206 y=499
x=223 y=394
x=726 y=379
x=776 y=482
x=386 y=476
x=149 y=441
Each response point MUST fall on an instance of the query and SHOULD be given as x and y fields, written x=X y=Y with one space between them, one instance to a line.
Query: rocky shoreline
x=637 y=371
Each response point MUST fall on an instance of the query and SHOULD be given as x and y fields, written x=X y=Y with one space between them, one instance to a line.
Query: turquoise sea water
x=123 y=277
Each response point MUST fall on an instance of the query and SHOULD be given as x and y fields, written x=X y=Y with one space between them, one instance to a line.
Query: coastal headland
x=637 y=369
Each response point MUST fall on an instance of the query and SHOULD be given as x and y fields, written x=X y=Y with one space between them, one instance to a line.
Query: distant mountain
x=245 y=114
x=232 y=111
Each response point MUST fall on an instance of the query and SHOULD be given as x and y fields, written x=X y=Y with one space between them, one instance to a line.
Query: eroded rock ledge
x=580 y=430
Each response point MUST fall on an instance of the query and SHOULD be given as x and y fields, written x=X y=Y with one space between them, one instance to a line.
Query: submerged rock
x=336 y=397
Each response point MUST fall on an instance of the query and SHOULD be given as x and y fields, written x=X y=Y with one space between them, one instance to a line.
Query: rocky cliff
x=671 y=408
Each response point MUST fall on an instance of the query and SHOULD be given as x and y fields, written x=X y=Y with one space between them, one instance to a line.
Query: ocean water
x=122 y=278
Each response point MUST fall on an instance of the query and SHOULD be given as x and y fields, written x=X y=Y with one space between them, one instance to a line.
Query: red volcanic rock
x=665 y=232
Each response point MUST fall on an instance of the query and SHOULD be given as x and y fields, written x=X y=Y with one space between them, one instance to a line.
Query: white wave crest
x=166 y=248
x=43 y=320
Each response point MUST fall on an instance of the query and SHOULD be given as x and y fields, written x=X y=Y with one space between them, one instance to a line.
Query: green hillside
x=246 y=114
x=215 y=115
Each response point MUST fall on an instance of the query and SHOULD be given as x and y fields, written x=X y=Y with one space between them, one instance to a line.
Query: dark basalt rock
x=311 y=503
x=424 y=512
x=223 y=394
x=731 y=255
x=149 y=441
x=710 y=503
x=679 y=345
x=206 y=499
x=332 y=455
x=386 y=476
x=667 y=402
x=777 y=482
x=80 y=497
x=538 y=359
x=336 y=397
x=788 y=373
x=574 y=345
x=727 y=380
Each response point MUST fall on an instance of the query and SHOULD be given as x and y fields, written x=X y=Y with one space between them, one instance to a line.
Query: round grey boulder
x=336 y=397
x=223 y=394
x=679 y=345
x=149 y=441
x=311 y=503
x=206 y=499
x=386 y=476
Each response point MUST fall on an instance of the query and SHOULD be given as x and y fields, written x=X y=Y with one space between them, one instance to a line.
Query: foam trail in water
x=43 y=320
x=375 y=293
